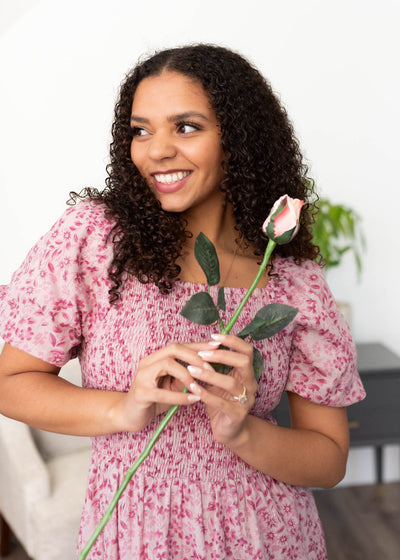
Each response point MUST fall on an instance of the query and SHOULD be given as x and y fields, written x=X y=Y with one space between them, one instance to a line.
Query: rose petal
x=282 y=223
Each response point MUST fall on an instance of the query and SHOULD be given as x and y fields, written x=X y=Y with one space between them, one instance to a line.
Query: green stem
x=129 y=473
x=268 y=252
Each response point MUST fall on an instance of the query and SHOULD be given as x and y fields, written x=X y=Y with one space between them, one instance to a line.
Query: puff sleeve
x=323 y=363
x=48 y=307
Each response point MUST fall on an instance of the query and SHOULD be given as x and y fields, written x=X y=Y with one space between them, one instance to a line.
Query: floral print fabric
x=192 y=498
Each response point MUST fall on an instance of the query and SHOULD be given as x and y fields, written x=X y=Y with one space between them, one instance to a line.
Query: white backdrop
x=334 y=63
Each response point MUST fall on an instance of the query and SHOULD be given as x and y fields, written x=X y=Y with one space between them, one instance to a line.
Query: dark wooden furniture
x=375 y=421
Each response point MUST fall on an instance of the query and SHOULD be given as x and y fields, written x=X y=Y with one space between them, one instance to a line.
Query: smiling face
x=176 y=143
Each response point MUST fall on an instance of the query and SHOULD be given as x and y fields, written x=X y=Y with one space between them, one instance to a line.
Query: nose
x=161 y=146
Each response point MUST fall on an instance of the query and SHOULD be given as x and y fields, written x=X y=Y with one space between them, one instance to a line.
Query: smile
x=169 y=178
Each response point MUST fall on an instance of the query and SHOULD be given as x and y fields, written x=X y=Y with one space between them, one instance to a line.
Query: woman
x=200 y=144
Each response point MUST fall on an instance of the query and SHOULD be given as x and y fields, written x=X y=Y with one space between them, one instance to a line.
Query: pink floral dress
x=192 y=498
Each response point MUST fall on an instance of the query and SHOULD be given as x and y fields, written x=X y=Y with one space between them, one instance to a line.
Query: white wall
x=333 y=62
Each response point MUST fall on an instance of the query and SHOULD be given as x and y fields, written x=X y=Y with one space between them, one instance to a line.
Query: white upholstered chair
x=43 y=479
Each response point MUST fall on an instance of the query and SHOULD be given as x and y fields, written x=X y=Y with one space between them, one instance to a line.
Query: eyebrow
x=172 y=118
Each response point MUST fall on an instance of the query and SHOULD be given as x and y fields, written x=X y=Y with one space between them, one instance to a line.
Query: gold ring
x=242 y=398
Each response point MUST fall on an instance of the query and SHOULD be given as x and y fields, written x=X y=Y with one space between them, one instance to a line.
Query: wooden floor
x=361 y=522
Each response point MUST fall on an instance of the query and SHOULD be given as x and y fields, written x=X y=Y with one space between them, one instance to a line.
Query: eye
x=137 y=131
x=187 y=127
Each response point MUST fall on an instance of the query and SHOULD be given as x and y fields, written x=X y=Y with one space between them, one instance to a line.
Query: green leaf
x=207 y=258
x=336 y=228
x=201 y=309
x=269 y=320
x=253 y=326
x=221 y=299
x=257 y=363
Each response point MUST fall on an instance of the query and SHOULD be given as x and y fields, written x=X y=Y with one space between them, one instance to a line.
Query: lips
x=171 y=181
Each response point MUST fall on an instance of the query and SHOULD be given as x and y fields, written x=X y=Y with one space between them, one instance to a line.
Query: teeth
x=168 y=178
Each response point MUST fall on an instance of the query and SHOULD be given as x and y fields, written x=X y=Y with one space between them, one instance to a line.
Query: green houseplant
x=337 y=230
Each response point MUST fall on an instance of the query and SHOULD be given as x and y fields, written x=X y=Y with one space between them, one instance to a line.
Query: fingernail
x=213 y=343
x=217 y=336
x=205 y=354
x=193 y=398
x=208 y=367
x=194 y=370
x=194 y=388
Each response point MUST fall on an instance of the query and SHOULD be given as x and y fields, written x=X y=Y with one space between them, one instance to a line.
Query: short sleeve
x=50 y=300
x=323 y=365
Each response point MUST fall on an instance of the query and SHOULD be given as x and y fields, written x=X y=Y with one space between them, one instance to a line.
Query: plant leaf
x=337 y=227
x=253 y=326
x=257 y=363
x=269 y=320
x=201 y=309
x=207 y=258
x=221 y=299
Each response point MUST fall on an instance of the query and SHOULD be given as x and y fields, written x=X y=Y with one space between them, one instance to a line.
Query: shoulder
x=84 y=219
x=303 y=285
x=61 y=288
x=304 y=276
x=82 y=229
x=76 y=246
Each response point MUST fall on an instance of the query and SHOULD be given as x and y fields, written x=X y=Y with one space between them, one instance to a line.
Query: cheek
x=138 y=159
x=132 y=151
x=209 y=158
x=216 y=159
x=136 y=156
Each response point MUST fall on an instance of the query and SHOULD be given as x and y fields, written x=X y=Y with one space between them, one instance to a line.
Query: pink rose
x=282 y=223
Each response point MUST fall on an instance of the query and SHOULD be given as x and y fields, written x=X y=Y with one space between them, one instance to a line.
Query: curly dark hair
x=263 y=162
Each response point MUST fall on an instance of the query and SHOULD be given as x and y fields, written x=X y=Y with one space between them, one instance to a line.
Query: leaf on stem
x=206 y=256
x=257 y=363
x=269 y=320
x=201 y=309
x=221 y=299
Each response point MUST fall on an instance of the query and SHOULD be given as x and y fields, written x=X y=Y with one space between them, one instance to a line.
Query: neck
x=215 y=219
x=216 y=222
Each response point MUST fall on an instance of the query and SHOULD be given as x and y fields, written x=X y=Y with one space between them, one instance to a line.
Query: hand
x=227 y=414
x=158 y=384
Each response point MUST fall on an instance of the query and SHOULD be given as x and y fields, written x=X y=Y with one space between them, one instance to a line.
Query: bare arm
x=32 y=392
x=313 y=452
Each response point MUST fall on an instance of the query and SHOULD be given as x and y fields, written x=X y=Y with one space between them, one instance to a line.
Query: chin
x=172 y=206
x=173 y=209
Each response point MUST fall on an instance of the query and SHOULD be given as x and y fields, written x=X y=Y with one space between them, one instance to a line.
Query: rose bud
x=282 y=223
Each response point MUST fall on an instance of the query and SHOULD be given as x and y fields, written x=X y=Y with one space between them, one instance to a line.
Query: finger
x=183 y=352
x=242 y=362
x=234 y=343
x=204 y=345
x=226 y=404
x=232 y=387
x=225 y=382
x=162 y=396
x=151 y=376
